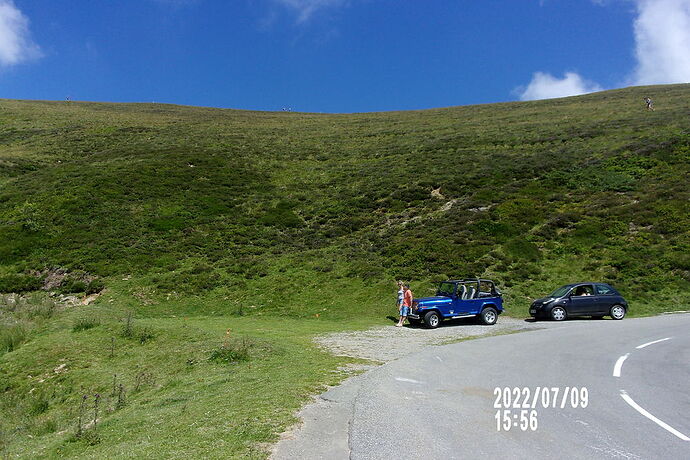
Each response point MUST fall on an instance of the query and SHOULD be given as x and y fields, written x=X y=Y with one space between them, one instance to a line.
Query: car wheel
x=618 y=312
x=489 y=316
x=558 y=313
x=432 y=319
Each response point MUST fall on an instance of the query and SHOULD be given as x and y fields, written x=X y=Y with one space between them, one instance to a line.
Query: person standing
x=401 y=295
x=650 y=103
x=406 y=306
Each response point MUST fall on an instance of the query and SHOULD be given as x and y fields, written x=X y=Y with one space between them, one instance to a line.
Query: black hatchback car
x=580 y=299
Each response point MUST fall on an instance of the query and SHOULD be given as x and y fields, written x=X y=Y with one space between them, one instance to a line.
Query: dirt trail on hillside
x=387 y=343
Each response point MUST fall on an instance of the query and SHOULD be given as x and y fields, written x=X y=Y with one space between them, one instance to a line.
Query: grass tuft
x=84 y=323
x=11 y=337
x=234 y=351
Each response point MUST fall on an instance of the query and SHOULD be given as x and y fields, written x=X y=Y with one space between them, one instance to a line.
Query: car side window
x=585 y=290
x=603 y=290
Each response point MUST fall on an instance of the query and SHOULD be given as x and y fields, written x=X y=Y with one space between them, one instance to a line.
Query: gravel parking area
x=388 y=343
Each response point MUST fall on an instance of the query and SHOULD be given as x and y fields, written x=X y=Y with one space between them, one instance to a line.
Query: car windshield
x=446 y=289
x=560 y=292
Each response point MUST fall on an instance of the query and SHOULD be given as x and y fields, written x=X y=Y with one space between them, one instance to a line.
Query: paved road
x=439 y=403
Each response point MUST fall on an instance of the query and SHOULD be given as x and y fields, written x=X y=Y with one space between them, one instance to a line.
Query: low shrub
x=11 y=337
x=145 y=335
x=232 y=351
x=132 y=331
x=38 y=405
x=44 y=309
x=17 y=282
x=85 y=323
x=72 y=286
x=95 y=286
x=43 y=427
x=521 y=249
x=88 y=437
x=281 y=216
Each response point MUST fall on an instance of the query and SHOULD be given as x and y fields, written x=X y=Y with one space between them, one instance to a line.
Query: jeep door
x=446 y=289
x=466 y=301
x=455 y=307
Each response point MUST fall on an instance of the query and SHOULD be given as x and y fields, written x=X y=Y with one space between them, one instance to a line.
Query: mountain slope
x=215 y=244
x=203 y=198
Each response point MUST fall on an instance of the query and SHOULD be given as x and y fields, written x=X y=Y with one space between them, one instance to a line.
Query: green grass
x=281 y=226
x=11 y=337
x=216 y=386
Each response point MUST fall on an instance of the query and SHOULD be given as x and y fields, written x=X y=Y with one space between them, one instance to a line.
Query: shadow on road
x=569 y=319
x=452 y=323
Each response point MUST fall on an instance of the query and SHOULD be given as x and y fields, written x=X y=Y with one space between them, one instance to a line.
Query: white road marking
x=403 y=379
x=652 y=343
x=663 y=425
x=439 y=359
x=619 y=365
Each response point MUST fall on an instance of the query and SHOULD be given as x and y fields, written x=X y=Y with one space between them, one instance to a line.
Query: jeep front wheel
x=489 y=316
x=432 y=320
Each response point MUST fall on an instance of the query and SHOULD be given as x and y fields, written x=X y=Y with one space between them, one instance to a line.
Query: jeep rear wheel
x=489 y=316
x=432 y=320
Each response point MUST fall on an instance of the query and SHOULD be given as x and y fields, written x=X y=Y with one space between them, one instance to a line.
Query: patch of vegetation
x=232 y=351
x=11 y=336
x=85 y=323
x=19 y=283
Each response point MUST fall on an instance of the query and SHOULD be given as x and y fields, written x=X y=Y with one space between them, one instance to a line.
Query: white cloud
x=15 y=41
x=546 y=86
x=305 y=9
x=662 y=49
x=662 y=42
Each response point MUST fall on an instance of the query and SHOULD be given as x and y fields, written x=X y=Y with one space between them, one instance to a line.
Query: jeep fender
x=491 y=304
x=425 y=311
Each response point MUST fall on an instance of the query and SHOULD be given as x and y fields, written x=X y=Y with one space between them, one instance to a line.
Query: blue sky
x=337 y=55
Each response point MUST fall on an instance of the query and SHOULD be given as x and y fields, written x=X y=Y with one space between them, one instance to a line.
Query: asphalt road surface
x=584 y=389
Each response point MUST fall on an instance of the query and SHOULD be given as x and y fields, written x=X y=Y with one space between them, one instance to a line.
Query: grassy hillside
x=279 y=226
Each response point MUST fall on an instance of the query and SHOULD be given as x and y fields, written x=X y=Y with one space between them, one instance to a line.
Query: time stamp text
x=517 y=408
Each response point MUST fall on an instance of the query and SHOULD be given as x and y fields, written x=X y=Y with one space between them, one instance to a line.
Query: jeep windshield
x=446 y=289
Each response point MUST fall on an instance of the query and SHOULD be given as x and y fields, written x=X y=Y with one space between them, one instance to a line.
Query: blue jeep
x=465 y=298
